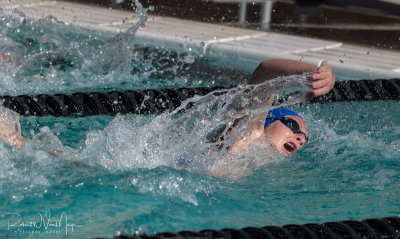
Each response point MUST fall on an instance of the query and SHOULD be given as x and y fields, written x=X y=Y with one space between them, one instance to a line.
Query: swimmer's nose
x=301 y=140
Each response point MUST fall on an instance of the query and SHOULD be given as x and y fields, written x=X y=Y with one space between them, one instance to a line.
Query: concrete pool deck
x=214 y=39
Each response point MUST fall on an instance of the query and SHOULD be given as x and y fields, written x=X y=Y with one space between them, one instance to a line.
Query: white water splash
x=49 y=54
x=179 y=139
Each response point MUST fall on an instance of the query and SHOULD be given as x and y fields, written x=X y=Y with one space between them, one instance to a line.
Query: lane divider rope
x=388 y=227
x=158 y=101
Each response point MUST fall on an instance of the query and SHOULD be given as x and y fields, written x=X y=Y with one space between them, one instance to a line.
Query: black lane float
x=158 y=101
x=388 y=227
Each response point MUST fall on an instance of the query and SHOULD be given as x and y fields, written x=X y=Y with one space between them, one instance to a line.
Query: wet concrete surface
x=368 y=23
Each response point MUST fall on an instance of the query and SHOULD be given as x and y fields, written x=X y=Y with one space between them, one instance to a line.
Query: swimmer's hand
x=323 y=80
x=10 y=130
x=1 y=57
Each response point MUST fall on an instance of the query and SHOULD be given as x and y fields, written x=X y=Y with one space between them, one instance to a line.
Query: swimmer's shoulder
x=219 y=133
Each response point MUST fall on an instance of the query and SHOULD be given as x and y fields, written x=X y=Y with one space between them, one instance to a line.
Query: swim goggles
x=292 y=124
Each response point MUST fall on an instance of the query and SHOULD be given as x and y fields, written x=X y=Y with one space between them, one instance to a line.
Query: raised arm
x=1 y=57
x=323 y=76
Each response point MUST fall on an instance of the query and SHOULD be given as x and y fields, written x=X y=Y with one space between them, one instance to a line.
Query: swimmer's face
x=284 y=139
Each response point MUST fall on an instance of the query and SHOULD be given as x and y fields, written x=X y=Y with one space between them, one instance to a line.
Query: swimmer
x=279 y=128
x=286 y=128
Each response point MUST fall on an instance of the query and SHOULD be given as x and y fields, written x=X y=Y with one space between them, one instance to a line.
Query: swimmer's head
x=287 y=129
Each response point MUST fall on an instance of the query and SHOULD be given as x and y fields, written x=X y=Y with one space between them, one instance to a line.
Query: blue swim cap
x=278 y=113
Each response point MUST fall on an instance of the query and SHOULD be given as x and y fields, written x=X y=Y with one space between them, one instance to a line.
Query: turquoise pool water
x=101 y=176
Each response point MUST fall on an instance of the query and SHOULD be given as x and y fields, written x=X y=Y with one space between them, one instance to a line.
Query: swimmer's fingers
x=321 y=91
x=321 y=83
x=321 y=87
x=324 y=72
x=325 y=68
x=321 y=75
x=325 y=80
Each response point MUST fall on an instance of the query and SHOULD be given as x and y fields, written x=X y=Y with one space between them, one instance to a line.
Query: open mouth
x=290 y=147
